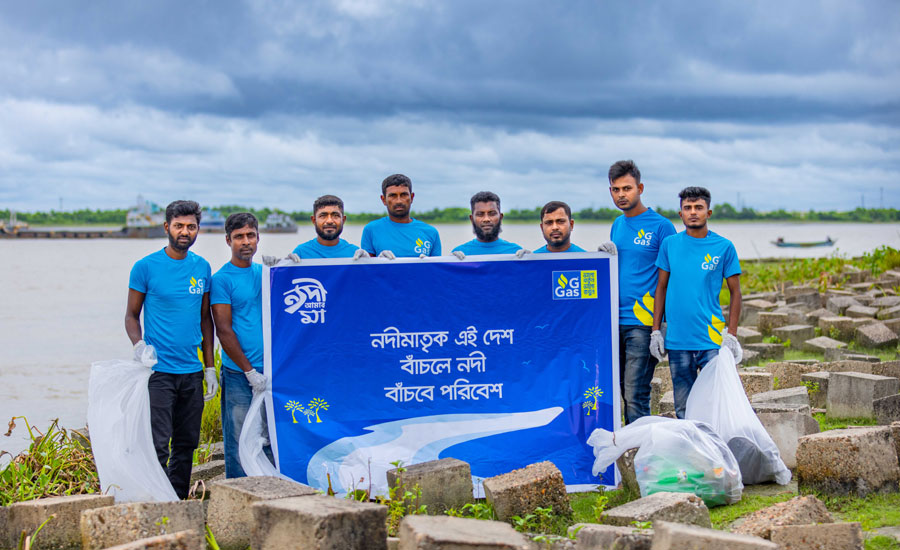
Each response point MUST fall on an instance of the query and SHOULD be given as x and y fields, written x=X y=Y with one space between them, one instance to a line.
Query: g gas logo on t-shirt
x=196 y=286
x=422 y=247
x=307 y=297
x=710 y=263
x=574 y=285
x=643 y=238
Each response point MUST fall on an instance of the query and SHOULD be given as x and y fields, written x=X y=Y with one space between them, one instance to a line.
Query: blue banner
x=500 y=362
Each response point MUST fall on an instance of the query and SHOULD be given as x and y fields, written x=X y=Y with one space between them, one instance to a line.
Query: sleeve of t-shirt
x=208 y=278
x=366 y=241
x=436 y=249
x=662 y=260
x=221 y=290
x=612 y=229
x=138 y=278
x=732 y=264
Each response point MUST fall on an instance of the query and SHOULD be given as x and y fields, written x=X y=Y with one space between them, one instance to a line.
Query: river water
x=62 y=302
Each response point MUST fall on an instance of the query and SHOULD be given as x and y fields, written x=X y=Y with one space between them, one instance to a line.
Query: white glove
x=609 y=247
x=422 y=256
x=360 y=253
x=460 y=255
x=387 y=254
x=521 y=252
x=657 y=345
x=293 y=257
x=257 y=380
x=269 y=261
x=212 y=383
x=730 y=342
x=145 y=354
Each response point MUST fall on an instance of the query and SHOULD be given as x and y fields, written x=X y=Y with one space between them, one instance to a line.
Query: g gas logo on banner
x=574 y=285
x=308 y=298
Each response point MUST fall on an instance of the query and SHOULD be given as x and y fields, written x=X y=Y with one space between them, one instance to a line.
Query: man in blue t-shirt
x=486 y=221
x=236 y=299
x=171 y=286
x=328 y=218
x=692 y=266
x=398 y=235
x=557 y=224
x=637 y=235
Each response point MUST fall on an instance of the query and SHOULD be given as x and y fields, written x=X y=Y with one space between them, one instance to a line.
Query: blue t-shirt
x=476 y=247
x=638 y=240
x=572 y=248
x=696 y=269
x=405 y=240
x=173 y=299
x=241 y=287
x=314 y=249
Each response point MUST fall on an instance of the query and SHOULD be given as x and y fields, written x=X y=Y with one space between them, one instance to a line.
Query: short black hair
x=182 y=208
x=624 y=168
x=553 y=206
x=327 y=200
x=239 y=220
x=395 y=179
x=484 y=196
x=694 y=193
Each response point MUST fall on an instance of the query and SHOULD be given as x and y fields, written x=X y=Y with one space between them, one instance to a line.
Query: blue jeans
x=236 y=397
x=636 y=367
x=684 y=366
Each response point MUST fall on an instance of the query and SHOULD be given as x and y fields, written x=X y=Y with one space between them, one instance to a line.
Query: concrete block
x=445 y=483
x=759 y=408
x=806 y=298
x=63 y=531
x=318 y=523
x=625 y=463
x=767 y=351
x=756 y=382
x=766 y=321
x=667 y=403
x=885 y=302
x=837 y=327
x=797 y=334
x=817 y=388
x=182 y=540
x=895 y=431
x=5 y=537
x=448 y=533
x=208 y=471
x=750 y=357
x=786 y=428
x=850 y=394
x=845 y=365
x=822 y=343
x=655 y=394
x=750 y=310
x=861 y=311
x=854 y=275
x=665 y=375
x=788 y=374
x=747 y=335
x=788 y=396
x=832 y=355
x=232 y=498
x=795 y=315
x=887 y=409
x=893 y=325
x=876 y=335
x=887 y=368
x=677 y=507
x=839 y=304
x=830 y=536
x=797 y=511
x=812 y=318
x=519 y=492
x=592 y=535
x=123 y=523
x=888 y=313
x=674 y=536
x=853 y=461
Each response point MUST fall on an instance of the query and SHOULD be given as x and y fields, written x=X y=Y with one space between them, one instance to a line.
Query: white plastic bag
x=718 y=399
x=253 y=438
x=121 y=439
x=680 y=456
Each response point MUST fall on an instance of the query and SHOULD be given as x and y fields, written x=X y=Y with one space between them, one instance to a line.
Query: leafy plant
x=642 y=524
x=27 y=541
x=811 y=387
x=401 y=502
x=478 y=510
x=211 y=543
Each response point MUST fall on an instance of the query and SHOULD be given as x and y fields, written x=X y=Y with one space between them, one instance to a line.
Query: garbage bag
x=119 y=422
x=254 y=436
x=718 y=399
x=679 y=456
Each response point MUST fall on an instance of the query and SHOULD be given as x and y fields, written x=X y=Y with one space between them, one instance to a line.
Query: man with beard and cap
x=557 y=225
x=399 y=235
x=486 y=221
x=236 y=299
x=328 y=218
x=171 y=286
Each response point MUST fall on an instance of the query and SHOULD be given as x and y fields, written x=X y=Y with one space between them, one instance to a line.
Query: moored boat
x=781 y=243
x=277 y=222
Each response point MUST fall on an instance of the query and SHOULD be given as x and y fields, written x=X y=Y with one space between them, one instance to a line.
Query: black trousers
x=176 y=409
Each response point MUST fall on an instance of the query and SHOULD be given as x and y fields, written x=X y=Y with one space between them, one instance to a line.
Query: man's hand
x=729 y=341
x=657 y=345
x=212 y=383
x=269 y=261
x=460 y=255
x=293 y=257
x=609 y=247
x=256 y=379
x=387 y=254
x=360 y=253
x=521 y=252
x=423 y=256
x=145 y=354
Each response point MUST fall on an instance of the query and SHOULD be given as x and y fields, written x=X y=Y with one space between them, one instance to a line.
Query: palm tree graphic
x=294 y=406
x=595 y=393
x=309 y=414
x=317 y=404
x=588 y=406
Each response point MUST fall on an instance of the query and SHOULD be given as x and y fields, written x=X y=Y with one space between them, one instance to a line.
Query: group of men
x=662 y=275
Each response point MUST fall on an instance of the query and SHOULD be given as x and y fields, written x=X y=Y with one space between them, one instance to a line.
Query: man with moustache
x=557 y=225
x=236 y=299
x=328 y=218
x=637 y=235
x=486 y=221
x=399 y=235
x=171 y=286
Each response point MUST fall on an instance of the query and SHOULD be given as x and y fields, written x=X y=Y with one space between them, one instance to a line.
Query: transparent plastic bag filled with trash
x=680 y=456
x=121 y=440
x=718 y=399
x=254 y=439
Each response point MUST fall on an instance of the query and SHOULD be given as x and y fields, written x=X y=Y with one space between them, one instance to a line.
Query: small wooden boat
x=781 y=243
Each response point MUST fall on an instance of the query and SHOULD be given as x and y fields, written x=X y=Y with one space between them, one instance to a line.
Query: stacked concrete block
x=747 y=335
x=853 y=461
x=786 y=428
x=767 y=321
x=448 y=533
x=861 y=312
x=795 y=315
x=756 y=382
x=767 y=351
x=838 y=327
x=123 y=523
x=444 y=484
x=839 y=304
x=63 y=531
x=806 y=298
x=519 y=492
x=675 y=536
x=822 y=343
x=812 y=317
x=796 y=334
x=182 y=540
x=213 y=470
x=787 y=396
x=750 y=310
x=876 y=335
x=851 y=394
x=845 y=365
x=677 y=507
x=788 y=374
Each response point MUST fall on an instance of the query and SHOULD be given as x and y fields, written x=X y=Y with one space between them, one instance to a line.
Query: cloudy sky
x=272 y=103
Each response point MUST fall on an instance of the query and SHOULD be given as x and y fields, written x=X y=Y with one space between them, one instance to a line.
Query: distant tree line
x=722 y=211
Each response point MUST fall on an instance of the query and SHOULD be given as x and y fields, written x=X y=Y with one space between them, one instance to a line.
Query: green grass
x=723 y=516
x=872 y=512
x=583 y=504
x=826 y=423
x=881 y=542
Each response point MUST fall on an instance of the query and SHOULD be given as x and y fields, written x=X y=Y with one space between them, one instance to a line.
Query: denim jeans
x=636 y=367
x=236 y=397
x=176 y=410
x=684 y=366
